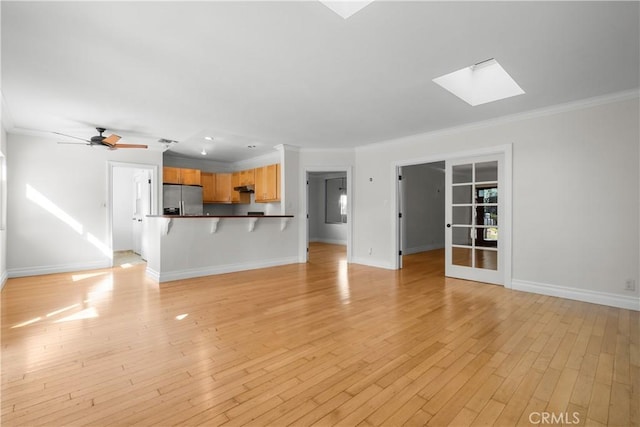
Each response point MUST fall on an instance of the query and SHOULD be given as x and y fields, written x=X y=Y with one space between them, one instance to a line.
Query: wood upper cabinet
x=267 y=182
x=223 y=188
x=247 y=177
x=191 y=176
x=181 y=176
x=208 y=180
x=170 y=175
x=235 y=182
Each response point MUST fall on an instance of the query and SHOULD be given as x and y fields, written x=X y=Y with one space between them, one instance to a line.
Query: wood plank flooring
x=322 y=343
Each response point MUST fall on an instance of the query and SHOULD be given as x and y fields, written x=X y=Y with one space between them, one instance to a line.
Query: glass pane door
x=473 y=212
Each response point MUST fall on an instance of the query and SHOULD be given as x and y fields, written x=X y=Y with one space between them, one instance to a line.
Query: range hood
x=244 y=189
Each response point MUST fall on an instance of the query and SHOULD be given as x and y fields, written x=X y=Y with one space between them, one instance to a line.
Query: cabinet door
x=191 y=176
x=223 y=187
x=260 y=184
x=273 y=181
x=247 y=177
x=235 y=182
x=267 y=183
x=170 y=175
x=208 y=180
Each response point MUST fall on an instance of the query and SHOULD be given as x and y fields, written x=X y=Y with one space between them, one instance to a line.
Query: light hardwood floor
x=323 y=343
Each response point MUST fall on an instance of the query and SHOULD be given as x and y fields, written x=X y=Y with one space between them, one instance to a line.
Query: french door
x=474 y=207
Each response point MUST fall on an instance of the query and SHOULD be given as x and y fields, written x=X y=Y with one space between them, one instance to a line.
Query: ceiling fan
x=110 y=141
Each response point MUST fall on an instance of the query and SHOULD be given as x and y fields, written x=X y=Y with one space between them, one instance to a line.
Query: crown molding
x=526 y=115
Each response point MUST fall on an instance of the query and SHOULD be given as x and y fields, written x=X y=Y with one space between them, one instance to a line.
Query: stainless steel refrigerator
x=182 y=199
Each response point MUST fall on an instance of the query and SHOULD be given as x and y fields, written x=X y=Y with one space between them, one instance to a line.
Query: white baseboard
x=422 y=248
x=584 y=295
x=61 y=268
x=372 y=263
x=169 y=276
x=329 y=241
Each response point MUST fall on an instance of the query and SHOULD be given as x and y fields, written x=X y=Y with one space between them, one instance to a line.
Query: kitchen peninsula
x=181 y=247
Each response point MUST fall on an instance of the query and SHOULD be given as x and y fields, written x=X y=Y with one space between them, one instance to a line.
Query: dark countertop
x=219 y=216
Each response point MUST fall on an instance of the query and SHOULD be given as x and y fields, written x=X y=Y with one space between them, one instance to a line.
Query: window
x=335 y=201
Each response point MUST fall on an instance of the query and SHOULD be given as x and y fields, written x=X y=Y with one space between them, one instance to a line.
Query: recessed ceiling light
x=203 y=152
x=345 y=8
x=480 y=83
x=208 y=138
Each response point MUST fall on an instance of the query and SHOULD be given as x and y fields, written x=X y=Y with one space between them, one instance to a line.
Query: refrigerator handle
x=181 y=207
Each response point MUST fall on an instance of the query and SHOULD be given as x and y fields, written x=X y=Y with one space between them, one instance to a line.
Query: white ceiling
x=293 y=72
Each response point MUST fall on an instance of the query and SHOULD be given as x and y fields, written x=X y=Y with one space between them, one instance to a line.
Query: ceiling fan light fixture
x=480 y=83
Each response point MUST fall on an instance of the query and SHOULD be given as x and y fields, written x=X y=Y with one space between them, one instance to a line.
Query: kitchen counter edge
x=218 y=216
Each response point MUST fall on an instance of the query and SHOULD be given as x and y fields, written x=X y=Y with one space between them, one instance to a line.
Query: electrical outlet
x=630 y=285
x=370 y=251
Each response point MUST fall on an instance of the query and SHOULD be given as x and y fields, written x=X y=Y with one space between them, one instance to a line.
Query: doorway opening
x=328 y=205
x=132 y=196
x=475 y=221
x=422 y=215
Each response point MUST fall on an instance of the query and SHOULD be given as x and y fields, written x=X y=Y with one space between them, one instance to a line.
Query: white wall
x=575 y=196
x=423 y=213
x=319 y=230
x=3 y=202
x=57 y=205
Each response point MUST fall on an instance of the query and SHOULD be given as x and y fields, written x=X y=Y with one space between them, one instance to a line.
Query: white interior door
x=474 y=207
x=141 y=207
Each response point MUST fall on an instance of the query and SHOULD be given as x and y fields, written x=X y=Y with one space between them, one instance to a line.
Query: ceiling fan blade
x=129 y=146
x=74 y=143
x=111 y=140
x=71 y=136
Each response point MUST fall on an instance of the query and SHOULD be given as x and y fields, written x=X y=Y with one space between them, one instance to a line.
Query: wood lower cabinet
x=181 y=176
x=267 y=183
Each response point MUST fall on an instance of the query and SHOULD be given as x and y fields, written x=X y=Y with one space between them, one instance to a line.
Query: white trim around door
x=506 y=153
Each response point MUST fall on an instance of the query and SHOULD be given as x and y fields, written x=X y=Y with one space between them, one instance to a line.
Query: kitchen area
x=188 y=191
x=217 y=220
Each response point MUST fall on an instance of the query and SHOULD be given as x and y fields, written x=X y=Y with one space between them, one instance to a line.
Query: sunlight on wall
x=106 y=251
x=39 y=199
x=42 y=201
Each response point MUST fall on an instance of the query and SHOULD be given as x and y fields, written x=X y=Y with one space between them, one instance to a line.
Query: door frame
x=154 y=203
x=506 y=193
x=303 y=255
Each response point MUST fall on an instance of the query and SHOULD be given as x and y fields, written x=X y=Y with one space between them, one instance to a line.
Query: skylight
x=480 y=83
x=345 y=8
